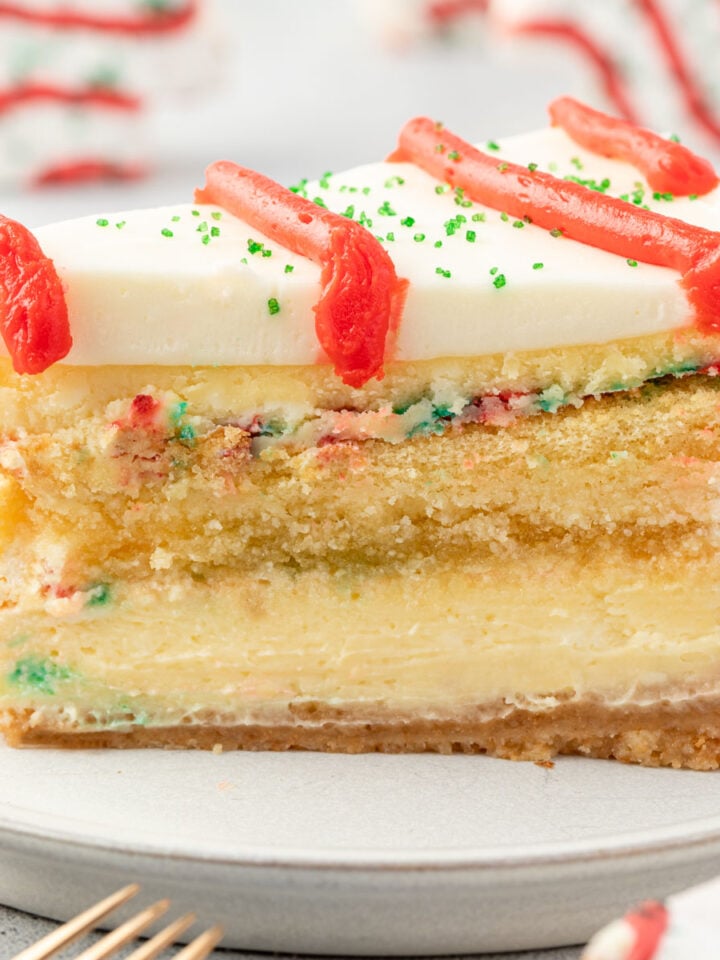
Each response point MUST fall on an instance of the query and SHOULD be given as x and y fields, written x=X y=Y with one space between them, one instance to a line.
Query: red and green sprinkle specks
x=98 y=595
x=37 y=675
x=442 y=272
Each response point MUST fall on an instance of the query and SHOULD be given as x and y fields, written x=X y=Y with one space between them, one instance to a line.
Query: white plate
x=370 y=854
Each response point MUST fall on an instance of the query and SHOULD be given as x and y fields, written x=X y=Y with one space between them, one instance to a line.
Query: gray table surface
x=19 y=930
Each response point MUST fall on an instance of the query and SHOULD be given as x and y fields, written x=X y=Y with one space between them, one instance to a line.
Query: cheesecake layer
x=436 y=644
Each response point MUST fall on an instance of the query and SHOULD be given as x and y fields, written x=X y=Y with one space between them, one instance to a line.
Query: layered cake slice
x=421 y=456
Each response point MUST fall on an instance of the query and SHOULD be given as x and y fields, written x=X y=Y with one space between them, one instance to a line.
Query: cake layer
x=195 y=285
x=151 y=488
x=607 y=629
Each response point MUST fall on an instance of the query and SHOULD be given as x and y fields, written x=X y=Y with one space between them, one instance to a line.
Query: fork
x=198 y=949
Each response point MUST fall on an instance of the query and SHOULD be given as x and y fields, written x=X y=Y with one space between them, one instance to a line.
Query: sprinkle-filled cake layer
x=393 y=470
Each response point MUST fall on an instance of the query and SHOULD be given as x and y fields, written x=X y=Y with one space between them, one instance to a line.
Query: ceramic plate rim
x=654 y=841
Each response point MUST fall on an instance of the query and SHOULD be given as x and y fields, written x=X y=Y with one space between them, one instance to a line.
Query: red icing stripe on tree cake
x=160 y=20
x=573 y=210
x=33 y=312
x=667 y=166
x=362 y=297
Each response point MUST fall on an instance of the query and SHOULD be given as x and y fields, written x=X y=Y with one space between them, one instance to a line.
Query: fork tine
x=201 y=946
x=149 y=950
x=124 y=933
x=76 y=927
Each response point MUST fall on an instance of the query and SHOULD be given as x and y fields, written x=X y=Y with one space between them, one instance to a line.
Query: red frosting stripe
x=33 y=313
x=362 y=297
x=668 y=167
x=154 y=21
x=87 y=171
x=90 y=96
x=577 y=212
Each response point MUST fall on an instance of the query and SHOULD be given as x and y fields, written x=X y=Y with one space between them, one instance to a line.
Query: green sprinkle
x=394 y=182
x=454 y=155
x=556 y=232
x=324 y=181
x=120 y=224
x=663 y=196
x=532 y=167
x=267 y=253
x=186 y=434
x=538 y=266
x=518 y=224
x=438 y=243
x=692 y=196
x=242 y=259
x=98 y=595
x=201 y=227
x=502 y=167
x=289 y=268
x=206 y=240
x=419 y=237
x=504 y=217
x=576 y=162
x=273 y=306
x=166 y=232
x=300 y=187
x=390 y=236
x=499 y=281
x=214 y=231
x=365 y=191
x=491 y=145
x=386 y=210
x=349 y=211
x=674 y=137
x=632 y=263
x=470 y=236
x=102 y=222
x=601 y=186
x=440 y=148
x=407 y=221
x=195 y=213
x=216 y=215
x=493 y=271
x=175 y=218
x=320 y=202
x=254 y=247
x=443 y=273
x=441 y=188
x=364 y=220
x=39 y=675
x=478 y=218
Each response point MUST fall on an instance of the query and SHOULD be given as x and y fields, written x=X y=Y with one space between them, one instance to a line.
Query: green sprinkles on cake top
x=273 y=306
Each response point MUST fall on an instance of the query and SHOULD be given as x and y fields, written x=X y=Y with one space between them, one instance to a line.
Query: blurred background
x=113 y=104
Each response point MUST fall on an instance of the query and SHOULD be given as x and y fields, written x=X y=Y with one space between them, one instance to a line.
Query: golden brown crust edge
x=665 y=735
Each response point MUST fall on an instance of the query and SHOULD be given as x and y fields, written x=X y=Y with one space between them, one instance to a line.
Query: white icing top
x=150 y=287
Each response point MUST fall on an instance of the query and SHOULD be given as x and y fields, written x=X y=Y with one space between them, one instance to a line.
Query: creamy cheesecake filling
x=427 y=641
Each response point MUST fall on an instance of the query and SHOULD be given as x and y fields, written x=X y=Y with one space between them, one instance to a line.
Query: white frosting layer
x=139 y=295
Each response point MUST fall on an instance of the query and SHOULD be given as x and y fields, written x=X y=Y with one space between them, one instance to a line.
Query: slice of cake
x=421 y=456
